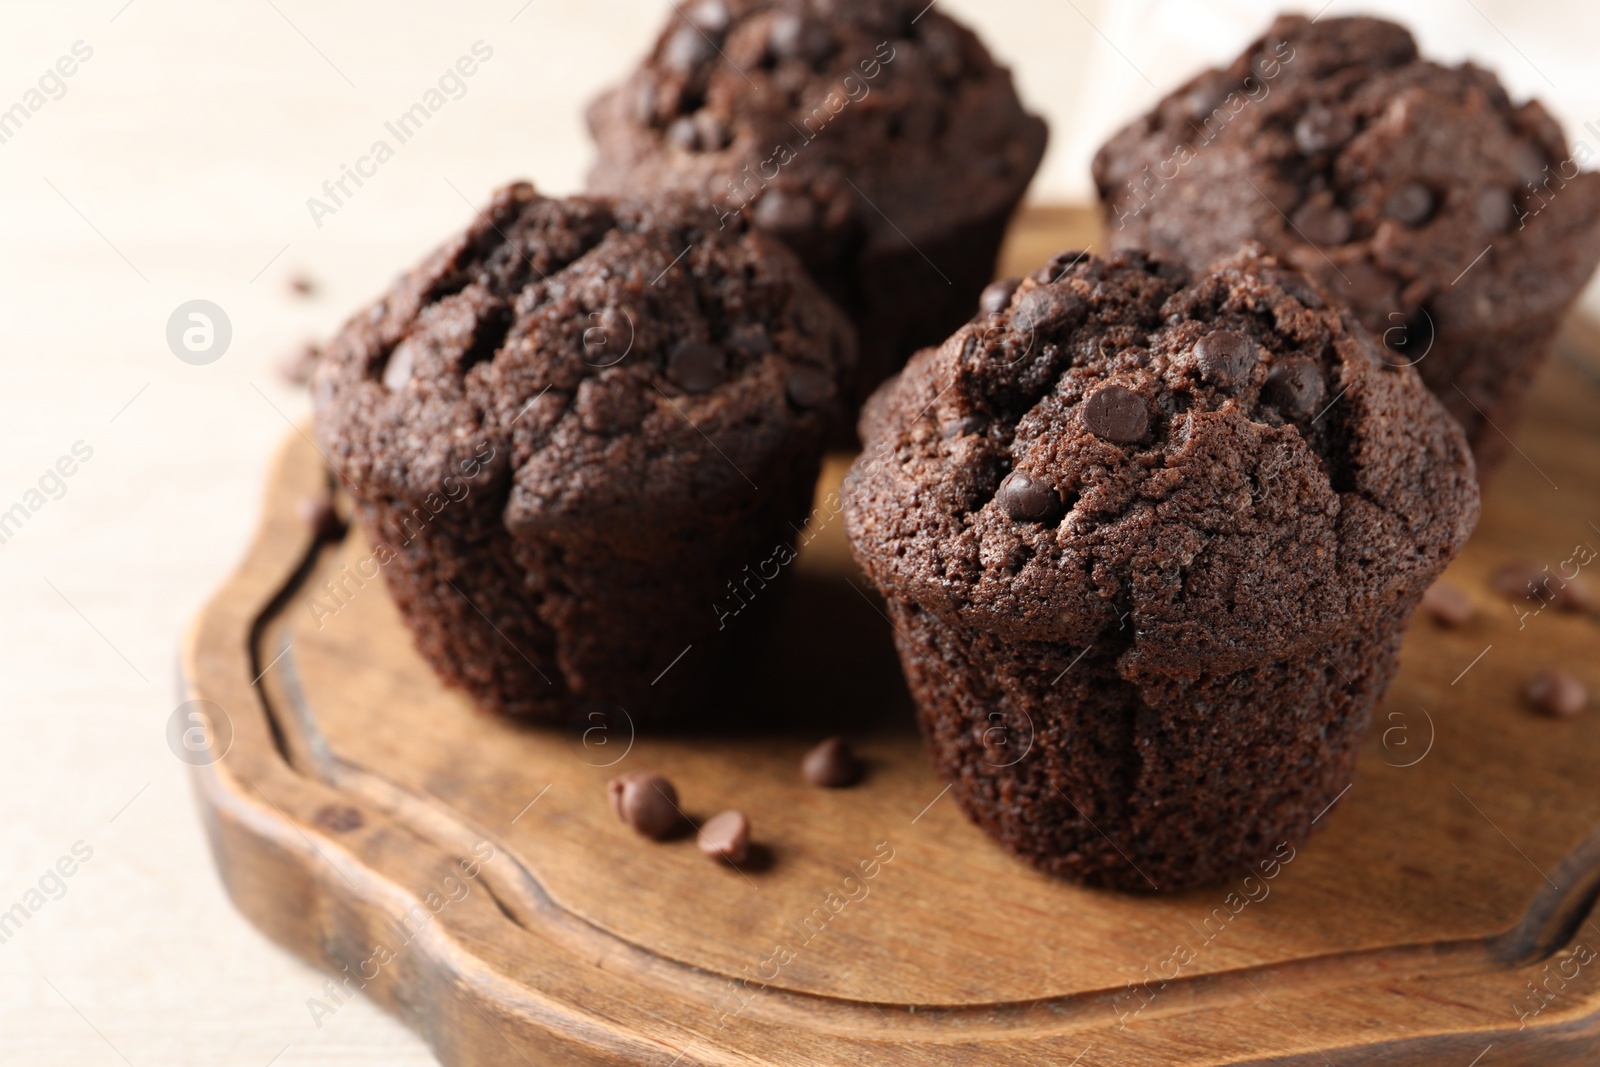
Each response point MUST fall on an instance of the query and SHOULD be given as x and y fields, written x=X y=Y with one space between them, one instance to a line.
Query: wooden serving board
x=468 y=873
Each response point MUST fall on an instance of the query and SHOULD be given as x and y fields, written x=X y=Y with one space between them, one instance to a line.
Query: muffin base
x=1155 y=784
x=578 y=620
x=1484 y=379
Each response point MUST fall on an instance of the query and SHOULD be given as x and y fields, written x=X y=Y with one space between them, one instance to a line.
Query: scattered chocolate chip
x=1410 y=204
x=302 y=284
x=1226 y=357
x=785 y=212
x=647 y=802
x=794 y=37
x=1047 y=307
x=1322 y=222
x=997 y=297
x=831 y=765
x=397 y=372
x=318 y=513
x=1530 y=581
x=1448 y=605
x=687 y=49
x=684 y=134
x=1557 y=693
x=1116 y=414
x=726 y=837
x=807 y=386
x=297 y=367
x=1027 y=498
x=1295 y=387
x=1322 y=129
x=697 y=368
x=1493 y=209
x=339 y=818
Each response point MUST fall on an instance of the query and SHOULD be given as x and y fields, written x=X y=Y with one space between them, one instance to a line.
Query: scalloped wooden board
x=468 y=873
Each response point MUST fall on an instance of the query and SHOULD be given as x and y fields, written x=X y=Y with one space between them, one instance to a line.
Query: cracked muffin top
x=585 y=360
x=1213 y=470
x=841 y=125
x=1415 y=192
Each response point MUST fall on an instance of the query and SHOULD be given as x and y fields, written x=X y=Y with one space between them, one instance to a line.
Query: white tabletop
x=174 y=163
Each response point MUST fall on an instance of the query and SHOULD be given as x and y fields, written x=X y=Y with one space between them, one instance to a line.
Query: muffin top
x=1383 y=175
x=840 y=125
x=1214 y=471
x=585 y=360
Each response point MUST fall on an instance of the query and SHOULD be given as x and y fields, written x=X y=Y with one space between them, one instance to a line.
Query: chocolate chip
x=1226 y=357
x=1295 y=387
x=1557 y=693
x=997 y=297
x=697 y=368
x=647 y=802
x=1296 y=285
x=1493 y=210
x=726 y=837
x=831 y=765
x=807 y=386
x=318 y=513
x=785 y=212
x=793 y=37
x=397 y=372
x=1322 y=129
x=1322 y=222
x=1027 y=498
x=302 y=284
x=1046 y=307
x=964 y=426
x=1448 y=605
x=687 y=49
x=751 y=340
x=338 y=818
x=1525 y=580
x=684 y=134
x=1410 y=204
x=1116 y=414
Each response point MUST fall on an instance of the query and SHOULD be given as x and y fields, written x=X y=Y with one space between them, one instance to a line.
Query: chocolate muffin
x=876 y=137
x=1149 y=543
x=569 y=429
x=1455 y=223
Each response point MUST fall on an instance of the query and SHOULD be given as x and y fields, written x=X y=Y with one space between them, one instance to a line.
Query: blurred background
x=174 y=164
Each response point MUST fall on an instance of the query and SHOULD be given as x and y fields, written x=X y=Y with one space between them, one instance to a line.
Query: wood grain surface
x=468 y=874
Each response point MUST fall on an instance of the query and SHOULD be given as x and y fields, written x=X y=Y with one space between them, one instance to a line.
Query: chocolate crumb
x=1557 y=694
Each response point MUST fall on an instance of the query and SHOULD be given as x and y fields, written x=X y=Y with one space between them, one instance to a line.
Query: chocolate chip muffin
x=569 y=429
x=876 y=137
x=1149 y=543
x=1456 y=223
